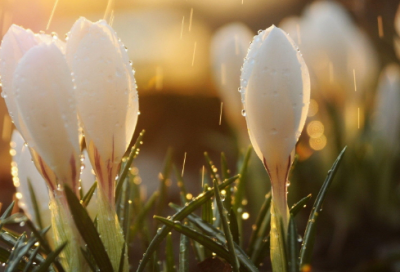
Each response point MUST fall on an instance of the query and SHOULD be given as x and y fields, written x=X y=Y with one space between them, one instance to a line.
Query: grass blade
x=88 y=196
x=35 y=205
x=137 y=225
x=183 y=253
x=164 y=177
x=169 y=253
x=125 y=170
x=31 y=260
x=121 y=260
x=88 y=232
x=89 y=260
x=228 y=235
x=299 y=205
x=234 y=226
x=309 y=235
x=241 y=183
x=225 y=175
x=184 y=212
x=50 y=258
x=260 y=219
x=292 y=246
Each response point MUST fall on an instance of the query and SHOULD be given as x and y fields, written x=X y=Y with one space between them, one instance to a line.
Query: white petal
x=276 y=89
x=16 y=42
x=387 y=111
x=43 y=91
x=106 y=91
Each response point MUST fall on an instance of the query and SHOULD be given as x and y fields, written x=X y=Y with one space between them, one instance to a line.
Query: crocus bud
x=108 y=108
x=106 y=96
x=38 y=91
x=387 y=112
x=275 y=87
x=228 y=49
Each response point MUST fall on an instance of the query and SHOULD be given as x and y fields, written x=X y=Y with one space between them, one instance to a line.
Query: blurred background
x=187 y=56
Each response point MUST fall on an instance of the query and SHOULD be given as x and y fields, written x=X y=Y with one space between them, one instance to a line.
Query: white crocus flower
x=23 y=170
x=228 y=49
x=106 y=95
x=275 y=86
x=40 y=97
x=38 y=91
x=108 y=107
x=387 y=111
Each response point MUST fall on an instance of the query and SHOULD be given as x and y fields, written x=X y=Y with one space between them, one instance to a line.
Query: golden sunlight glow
x=318 y=143
x=315 y=129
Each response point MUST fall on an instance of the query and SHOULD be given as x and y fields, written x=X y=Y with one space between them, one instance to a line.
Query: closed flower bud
x=38 y=91
x=387 y=112
x=276 y=93
x=106 y=96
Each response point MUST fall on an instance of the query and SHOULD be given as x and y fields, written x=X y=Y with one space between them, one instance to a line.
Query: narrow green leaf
x=128 y=163
x=260 y=219
x=6 y=214
x=35 y=205
x=234 y=226
x=88 y=196
x=89 y=260
x=193 y=205
x=19 y=254
x=31 y=260
x=292 y=246
x=212 y=231
x=50 y=258
x=225 y=175
x=241 y=183
x=121 y=260
x=88 y=231
x=169 y=253
x=137 y=225
x=164 y=176
x=309 y=235
x=183 y=254
x=213 y=171
x=228 y=235
x=15 y=250
x=299 y=205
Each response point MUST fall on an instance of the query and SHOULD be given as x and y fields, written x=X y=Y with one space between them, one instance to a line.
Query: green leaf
x=164 y=176
x=212 y=231
x=51 y=258
x=225 y=175
x=31 y=260
x=211 y=168
x=35 y=205
x=309 y=235
x=20 y=252
x=193 y=205
x=299 y=205
x=122 y=259
x=88 y=231
x=183 y=254
x=292 y=246
x=88 y=196
x=169 y=253
x=234 y=226
x=128 y=163
x=137 y=225
x=89 y=260
x=260 y=219
x=228 y=235
x=6 y=213
x=241 y=183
